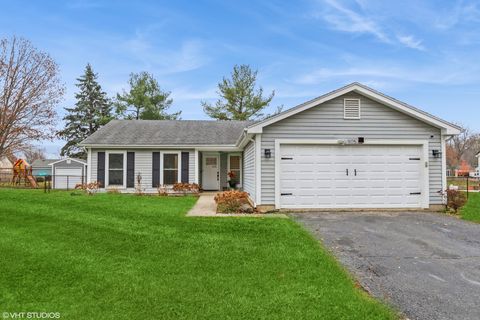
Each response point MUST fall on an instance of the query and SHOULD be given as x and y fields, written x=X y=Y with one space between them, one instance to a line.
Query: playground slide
x=32 y=181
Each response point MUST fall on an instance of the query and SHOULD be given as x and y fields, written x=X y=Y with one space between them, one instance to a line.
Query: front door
x=211 y=172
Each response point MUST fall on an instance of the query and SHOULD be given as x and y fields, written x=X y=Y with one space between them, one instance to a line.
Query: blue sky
x=425 y=53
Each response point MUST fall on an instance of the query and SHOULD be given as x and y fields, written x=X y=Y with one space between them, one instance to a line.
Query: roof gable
x=447 y=128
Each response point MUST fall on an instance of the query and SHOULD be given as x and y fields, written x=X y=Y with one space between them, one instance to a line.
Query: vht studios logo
x=31 y=315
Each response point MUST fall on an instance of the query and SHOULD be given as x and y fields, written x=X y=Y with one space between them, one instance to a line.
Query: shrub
x=231 y=201
x=186 y=187
x=162 y=190
x=455 y=199
x=90 y=188
x=113 y=190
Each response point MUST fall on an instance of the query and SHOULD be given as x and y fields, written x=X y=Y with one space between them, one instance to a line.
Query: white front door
x=364 y=176
x=211 y=172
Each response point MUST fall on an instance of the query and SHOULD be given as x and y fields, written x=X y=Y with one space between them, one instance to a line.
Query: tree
x=92 y=110
x=145 y=100
x=239 y=98
x=33 y=153
x=467 y=142
x=30 y=88
x=452 y=158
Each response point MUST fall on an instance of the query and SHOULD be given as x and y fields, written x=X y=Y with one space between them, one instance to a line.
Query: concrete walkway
x=205 y=206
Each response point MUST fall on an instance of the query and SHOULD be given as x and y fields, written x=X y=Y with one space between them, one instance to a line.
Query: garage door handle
x=346 y=171
x=355 y=172
x=285 y=194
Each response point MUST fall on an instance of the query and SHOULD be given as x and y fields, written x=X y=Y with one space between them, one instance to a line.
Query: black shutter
x=185 y=159
x=130 y=169
x=101 y=169
x=155 y=169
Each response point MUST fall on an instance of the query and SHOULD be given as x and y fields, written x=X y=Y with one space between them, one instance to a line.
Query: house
x=477 y=169
x=41 y=167
x=65 y=173
x=351 y=148
x=6 y=169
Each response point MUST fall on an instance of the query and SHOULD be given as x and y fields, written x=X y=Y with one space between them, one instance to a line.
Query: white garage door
x=355 y=176
x=67 y=178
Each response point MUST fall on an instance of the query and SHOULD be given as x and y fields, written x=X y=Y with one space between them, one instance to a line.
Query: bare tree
x=30 y=88
x=464 y=145
x=33 y=153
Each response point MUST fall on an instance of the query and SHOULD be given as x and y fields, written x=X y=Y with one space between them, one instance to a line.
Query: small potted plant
x=232 y=179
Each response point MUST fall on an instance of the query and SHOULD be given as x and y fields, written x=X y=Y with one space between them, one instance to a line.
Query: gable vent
x=351 y=108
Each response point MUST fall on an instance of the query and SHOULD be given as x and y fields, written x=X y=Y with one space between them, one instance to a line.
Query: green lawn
x=114 y=256
x=471 y=211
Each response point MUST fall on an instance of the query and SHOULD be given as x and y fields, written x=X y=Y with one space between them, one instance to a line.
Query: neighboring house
x=65 y=173
x=477 y=169
x=351 y=148
x=6 y=169
x=41 y=167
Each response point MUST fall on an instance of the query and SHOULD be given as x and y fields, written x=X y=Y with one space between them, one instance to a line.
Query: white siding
x=249 y=169
x=143 y=166
x=191 y=166
x=327 y=121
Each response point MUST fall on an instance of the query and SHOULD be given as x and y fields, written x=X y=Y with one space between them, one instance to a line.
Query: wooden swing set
x=22 y=173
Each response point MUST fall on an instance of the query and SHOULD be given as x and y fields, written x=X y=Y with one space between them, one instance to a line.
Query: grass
x=113 y=256
x=471 y=211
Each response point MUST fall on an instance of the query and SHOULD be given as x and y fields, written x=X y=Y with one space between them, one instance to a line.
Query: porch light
x=268 y=153
x=436 y=153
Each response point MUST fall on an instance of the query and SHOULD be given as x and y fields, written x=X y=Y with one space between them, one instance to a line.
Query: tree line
x=30 y=89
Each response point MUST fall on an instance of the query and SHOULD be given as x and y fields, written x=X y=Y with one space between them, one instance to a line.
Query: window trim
x=359 y=109
x=107 y=168
x=240 y=182
x=179 y=165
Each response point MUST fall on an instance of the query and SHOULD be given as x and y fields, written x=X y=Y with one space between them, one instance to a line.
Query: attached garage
x=351 y=148
x=67 y=173
x=338 y=175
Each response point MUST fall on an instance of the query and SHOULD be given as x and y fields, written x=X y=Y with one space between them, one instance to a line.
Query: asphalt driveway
x=425 y=264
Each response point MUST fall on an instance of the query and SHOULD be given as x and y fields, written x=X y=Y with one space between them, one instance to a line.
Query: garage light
x=436 y=153
x=268 y=153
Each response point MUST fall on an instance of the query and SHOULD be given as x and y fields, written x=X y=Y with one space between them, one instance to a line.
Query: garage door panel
x=67 y=178
x=317 y=178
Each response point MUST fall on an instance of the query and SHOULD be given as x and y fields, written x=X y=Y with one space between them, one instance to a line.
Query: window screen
x=115 y=169
x=170 y=168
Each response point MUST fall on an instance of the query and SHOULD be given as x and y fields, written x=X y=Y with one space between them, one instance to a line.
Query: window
x=235 y=166
x=351 y=108
x=115 y=169
x=170 y=168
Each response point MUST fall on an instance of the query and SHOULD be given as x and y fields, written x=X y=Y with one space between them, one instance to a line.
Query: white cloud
x=411 y=42
x=188 y=55
x=347 y=20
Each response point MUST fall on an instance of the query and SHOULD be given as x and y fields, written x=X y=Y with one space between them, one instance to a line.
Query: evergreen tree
x=238 y=98
x=92 y=110
x=145 y=100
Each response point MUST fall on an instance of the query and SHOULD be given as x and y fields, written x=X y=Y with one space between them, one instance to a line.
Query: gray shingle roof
x=45 y=163
x=167 y=132
x=42 y=163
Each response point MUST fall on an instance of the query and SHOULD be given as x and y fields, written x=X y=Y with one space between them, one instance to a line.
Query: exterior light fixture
x=436 y=153
x=268 y=153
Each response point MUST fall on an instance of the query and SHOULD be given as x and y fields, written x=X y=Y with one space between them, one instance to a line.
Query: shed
x=68 y=172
